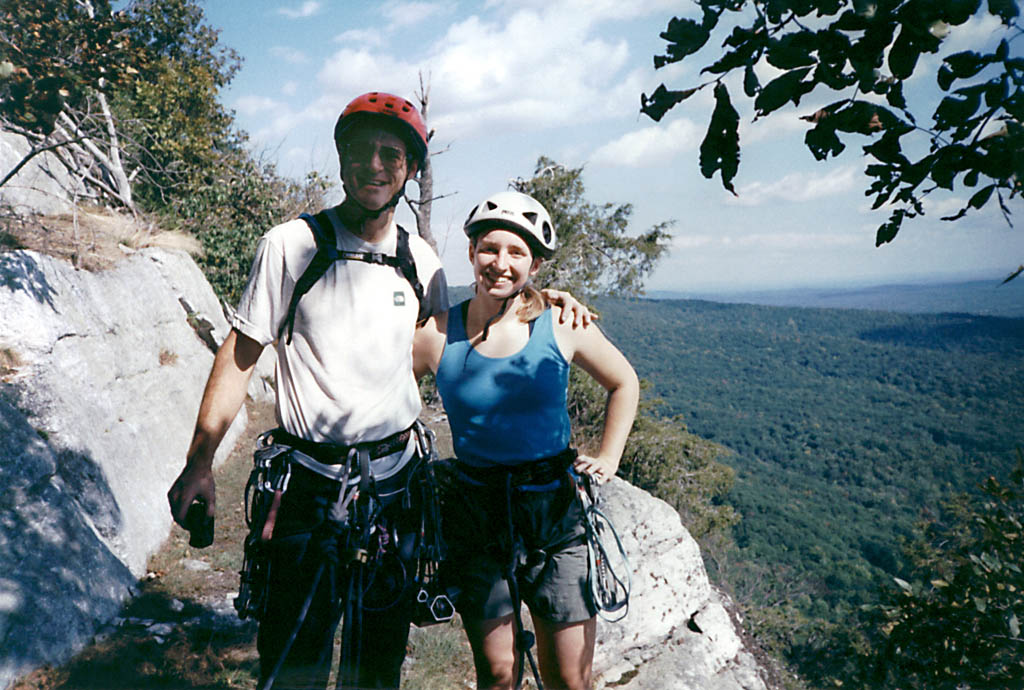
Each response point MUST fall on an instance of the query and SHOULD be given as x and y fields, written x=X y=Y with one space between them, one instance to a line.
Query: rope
x=524 y=638
x=609 y=589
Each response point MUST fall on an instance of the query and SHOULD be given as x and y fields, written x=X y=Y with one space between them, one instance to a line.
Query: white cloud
x=597 y=10
x=367 y=37
x=799 y=187
x=692 y=241
x=650 y=145
x=289 y=55
x=530 y=69
x=790 y=240
x=413 y=13
x=289 y=88
x=306 y=9
x=254 y=105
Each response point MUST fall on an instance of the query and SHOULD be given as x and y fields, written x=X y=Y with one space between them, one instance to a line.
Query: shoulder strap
x=407 y=265
x=326 y=254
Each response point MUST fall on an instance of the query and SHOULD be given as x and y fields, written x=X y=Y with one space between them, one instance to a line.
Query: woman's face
x=502 y=262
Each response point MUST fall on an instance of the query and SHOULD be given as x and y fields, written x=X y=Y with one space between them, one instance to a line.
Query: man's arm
x=225 y=392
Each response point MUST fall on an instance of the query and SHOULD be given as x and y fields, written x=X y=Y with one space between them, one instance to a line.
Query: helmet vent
x=491 y=205
x=531 y=216
x=546 y=229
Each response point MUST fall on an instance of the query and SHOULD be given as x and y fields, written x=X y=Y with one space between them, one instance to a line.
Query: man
x=346 y=404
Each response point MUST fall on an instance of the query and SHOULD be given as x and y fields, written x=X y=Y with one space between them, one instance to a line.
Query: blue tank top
x=505 y=410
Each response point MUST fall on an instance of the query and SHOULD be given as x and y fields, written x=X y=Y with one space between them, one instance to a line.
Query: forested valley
x=848 y=428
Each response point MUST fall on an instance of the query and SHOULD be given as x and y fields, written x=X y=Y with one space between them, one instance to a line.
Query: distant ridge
x=982 y=297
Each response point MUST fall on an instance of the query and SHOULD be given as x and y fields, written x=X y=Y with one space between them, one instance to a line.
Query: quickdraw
x=610 y=574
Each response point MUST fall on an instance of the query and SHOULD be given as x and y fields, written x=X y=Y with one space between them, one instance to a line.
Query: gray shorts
x=552 y=567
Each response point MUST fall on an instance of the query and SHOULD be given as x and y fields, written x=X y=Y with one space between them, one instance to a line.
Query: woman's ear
x=535 y=266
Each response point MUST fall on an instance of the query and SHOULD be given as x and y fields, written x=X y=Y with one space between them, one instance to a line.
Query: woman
x=515 y=527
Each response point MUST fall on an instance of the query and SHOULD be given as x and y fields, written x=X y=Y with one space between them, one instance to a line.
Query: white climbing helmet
x=519 y=213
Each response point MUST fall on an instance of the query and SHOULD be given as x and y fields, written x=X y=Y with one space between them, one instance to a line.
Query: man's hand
x=193 y=482
x=569 y=306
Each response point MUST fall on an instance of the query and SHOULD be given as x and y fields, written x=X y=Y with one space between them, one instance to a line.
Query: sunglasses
x=362 y=152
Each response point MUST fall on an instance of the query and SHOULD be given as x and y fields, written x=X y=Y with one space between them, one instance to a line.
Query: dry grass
x=92 y=238
x=200 y=648
x=10 y=361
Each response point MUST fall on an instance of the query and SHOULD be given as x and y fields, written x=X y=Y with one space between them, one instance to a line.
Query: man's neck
x=371 y=230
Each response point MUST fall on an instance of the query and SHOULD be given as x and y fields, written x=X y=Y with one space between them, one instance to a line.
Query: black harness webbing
x=327 y=253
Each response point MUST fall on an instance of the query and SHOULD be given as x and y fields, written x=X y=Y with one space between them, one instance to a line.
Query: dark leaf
x=888 y=230
x=783 y=89
x=954 y=112
x=894 y=96
x=945 y=77
x=685 y=37
x=903 y=55
x=959 y=11
x=967 y=63
x=720 y=150
x=887 y=149
x=792 y=50
x=981 y=197
x=1006 y=10
x=750 y=82
x=661 y=101
x=823 y=142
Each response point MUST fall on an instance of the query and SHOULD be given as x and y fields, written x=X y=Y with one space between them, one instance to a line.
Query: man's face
x=374 y=166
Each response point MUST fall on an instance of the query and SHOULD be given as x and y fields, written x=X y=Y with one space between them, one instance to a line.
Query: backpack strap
x=407 y=265
x=327 y=253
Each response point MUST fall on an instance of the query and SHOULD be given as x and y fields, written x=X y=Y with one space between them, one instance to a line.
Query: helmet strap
x=501 y=312
x=352 y=211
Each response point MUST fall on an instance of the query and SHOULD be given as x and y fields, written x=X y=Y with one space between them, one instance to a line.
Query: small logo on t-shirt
x=399 y=298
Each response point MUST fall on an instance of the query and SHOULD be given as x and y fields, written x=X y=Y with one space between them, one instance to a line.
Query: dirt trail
x=181 y=630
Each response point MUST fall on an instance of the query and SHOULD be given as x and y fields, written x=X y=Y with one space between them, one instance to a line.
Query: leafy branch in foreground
x=867 y=50
x=956 y=620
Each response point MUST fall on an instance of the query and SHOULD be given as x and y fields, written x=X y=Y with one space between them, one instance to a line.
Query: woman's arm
x=592 y=351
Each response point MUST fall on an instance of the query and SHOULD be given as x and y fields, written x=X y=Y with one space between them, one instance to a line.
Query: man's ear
x=414 y=167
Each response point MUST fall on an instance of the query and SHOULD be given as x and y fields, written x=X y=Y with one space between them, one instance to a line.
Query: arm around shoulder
x=428 y=345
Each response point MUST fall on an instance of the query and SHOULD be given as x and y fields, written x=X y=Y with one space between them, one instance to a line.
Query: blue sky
x=513 y=80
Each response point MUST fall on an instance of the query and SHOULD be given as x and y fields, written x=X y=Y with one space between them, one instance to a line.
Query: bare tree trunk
x=425 y=181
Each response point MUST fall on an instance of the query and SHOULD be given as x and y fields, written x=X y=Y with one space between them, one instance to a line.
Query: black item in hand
x=199 y=525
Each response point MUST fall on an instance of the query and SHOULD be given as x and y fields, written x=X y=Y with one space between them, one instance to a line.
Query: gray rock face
x=102 y=374
x=42 y=186
x=677 y=633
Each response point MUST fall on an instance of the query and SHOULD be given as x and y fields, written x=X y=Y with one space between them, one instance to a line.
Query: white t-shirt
x=347 y=375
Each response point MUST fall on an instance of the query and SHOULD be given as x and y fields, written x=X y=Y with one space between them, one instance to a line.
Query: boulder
x=677 y=632
x=43 y=185
x=101 y=375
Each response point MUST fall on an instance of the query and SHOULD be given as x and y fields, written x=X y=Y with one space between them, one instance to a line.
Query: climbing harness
x=356 y=547
x=327 y=253
x=609 y=572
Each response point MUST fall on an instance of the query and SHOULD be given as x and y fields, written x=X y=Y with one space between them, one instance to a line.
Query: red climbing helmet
x=378 y=105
